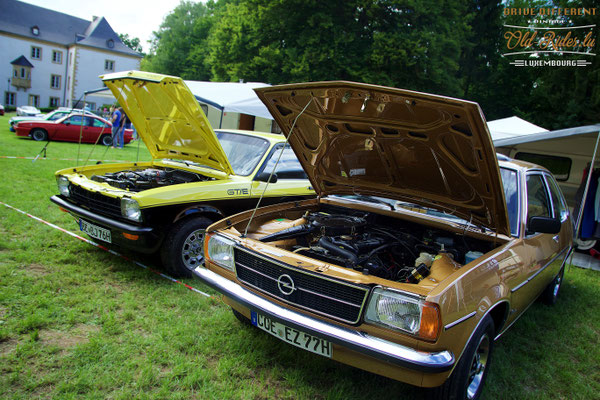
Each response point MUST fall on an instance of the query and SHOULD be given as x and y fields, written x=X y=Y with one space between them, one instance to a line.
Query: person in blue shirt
x=125 y=124
x=116 y=125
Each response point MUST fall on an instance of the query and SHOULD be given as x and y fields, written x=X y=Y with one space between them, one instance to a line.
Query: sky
x=137 y=18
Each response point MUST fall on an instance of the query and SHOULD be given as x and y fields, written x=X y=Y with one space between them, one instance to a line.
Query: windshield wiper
x=371 y=199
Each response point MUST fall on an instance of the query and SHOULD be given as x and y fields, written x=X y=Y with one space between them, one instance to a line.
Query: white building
x=49 y=59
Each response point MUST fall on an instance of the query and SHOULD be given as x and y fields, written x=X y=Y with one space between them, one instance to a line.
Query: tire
x=240 y=317
x=550 y=294
x=182 y=250
x=106 y=140
x=468 y=378
x=584 y=246
x=39 y=135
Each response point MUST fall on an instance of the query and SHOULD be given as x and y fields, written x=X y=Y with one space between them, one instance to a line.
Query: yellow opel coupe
x=421 y=249
x=196 y=177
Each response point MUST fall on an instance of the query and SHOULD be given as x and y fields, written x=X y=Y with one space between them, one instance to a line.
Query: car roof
x=521 y=165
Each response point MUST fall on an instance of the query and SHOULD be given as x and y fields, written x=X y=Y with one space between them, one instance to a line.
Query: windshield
x=242 y=151
x=396 y=204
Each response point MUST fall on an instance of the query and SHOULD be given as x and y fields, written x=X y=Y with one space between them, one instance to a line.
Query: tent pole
x=585 y=192
x=221 y=120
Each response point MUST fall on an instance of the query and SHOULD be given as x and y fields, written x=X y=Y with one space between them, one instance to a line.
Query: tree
x=414 y=44
x=179 y=47
x=132 y=43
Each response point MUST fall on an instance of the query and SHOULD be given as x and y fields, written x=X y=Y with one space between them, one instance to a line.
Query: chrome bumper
x=360 y=342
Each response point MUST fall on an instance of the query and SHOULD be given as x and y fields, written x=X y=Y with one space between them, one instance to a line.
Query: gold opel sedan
x=422 y=248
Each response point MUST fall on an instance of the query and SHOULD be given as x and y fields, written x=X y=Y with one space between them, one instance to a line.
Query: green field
x=78 y=322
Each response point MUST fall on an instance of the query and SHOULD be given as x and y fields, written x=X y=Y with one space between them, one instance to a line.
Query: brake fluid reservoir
x=472 y=255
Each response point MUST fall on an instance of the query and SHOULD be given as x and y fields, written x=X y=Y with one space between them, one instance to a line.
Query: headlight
x=219 y=250
x=63 y=186
x=406 y=313
x=131 y=209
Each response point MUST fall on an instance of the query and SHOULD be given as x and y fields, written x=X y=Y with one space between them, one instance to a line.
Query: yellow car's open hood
x=167 y=117
x=425 y=149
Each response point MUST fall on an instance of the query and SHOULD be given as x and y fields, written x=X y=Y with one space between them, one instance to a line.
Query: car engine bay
x=375 y=244
x=148 y=178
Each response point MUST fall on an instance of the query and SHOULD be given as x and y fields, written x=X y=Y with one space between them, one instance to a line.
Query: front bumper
x=149 y=239
x=362 y=343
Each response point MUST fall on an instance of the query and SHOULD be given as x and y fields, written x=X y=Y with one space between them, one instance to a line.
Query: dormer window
x=110 y=43
x=35 y=30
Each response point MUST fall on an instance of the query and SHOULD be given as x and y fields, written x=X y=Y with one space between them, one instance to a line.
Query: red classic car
x=69 y=128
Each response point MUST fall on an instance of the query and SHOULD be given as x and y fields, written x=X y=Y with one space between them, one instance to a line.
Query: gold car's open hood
x=167 y=117
x=357 y=138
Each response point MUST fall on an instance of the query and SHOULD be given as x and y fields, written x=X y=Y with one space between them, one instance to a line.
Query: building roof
x=512 y=127
x=231 y=96
x=22 y=61
x=21 y=19
x=548 y=135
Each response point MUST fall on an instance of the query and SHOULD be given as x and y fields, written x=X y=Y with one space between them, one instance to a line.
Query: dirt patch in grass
x=37 y=269
x=6 y=346
x=65 y=339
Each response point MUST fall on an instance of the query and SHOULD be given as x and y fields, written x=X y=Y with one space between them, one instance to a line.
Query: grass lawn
x=77 y=322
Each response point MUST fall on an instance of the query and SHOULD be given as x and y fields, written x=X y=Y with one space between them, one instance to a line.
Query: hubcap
x=478 y=365
x=192 y=252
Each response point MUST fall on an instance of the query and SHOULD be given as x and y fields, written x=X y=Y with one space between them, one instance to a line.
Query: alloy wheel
x=192 y=252
x=478 y=365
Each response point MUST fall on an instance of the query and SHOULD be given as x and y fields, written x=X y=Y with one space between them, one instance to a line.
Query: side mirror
x=67 y=123
x=543 y=225
x=264 y=177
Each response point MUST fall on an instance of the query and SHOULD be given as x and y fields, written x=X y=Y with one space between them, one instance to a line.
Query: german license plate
x=95 y=231
x=291 y=335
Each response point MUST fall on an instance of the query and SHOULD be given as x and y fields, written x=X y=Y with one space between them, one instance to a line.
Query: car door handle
x=556 y=239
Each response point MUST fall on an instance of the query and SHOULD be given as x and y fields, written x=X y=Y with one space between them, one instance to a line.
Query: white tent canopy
x=510 y=127
x=231 y=96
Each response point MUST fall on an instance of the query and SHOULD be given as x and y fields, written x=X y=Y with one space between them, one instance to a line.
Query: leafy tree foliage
x=133 y=43
x=449 y=47
x=413 y=44
x=179 y=47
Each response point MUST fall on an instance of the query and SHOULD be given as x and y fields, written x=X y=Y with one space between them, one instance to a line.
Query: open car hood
x=168 y=118
x=355 y=138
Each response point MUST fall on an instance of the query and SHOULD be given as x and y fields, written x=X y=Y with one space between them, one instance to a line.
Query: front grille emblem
x=285 y=283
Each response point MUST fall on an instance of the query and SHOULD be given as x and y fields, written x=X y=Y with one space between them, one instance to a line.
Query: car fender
x=200 y=210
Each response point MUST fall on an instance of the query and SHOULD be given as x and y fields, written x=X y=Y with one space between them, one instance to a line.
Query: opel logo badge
x=285 y=283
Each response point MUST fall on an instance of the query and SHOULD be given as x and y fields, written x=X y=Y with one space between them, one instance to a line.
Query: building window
x=109 y=65
x=57 y=57
x=54 y=101
x=92 y=106
x=55 y=81
x=23 y=73
x=559 y=166
x=35 y=30
x=10 y=98
x=36 y=53
x=34 y=100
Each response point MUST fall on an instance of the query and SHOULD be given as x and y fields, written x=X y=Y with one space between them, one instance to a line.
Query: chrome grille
x=323 y=295
x=95 y=201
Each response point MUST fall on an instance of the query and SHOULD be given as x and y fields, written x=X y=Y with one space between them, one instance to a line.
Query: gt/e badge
x=233 y=192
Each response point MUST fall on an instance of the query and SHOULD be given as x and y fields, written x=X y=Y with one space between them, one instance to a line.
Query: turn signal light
x=430 y=321
x=130 y=236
